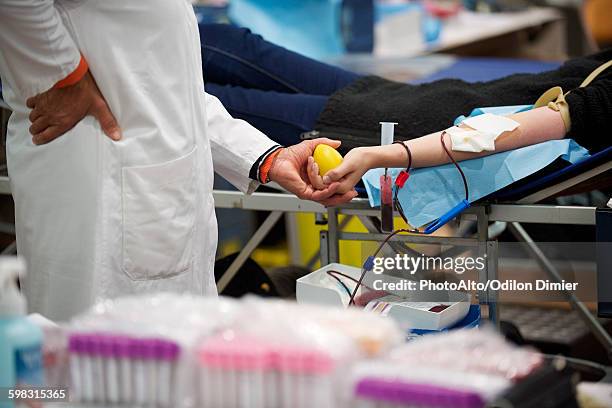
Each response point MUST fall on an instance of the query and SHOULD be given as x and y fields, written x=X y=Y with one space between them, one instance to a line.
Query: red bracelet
x=75 y=76
x=265 y=167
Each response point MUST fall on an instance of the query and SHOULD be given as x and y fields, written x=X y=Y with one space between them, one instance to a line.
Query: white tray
x=318 y=288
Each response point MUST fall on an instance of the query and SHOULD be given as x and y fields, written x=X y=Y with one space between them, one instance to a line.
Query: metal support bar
x=547 y=214
x=492 y=265
x=416 y=239
x=603 y=232
x=372 y=224
x=596 y=328
x=333 y=235
x=324 y=239
x=543 y=214
x=10 y=249
x=253 y=243
x=313 y=260
x=482 y=224
x=485 y=297
x=265 y=201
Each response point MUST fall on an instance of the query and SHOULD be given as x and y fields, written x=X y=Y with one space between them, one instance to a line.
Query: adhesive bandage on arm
x=486 y=128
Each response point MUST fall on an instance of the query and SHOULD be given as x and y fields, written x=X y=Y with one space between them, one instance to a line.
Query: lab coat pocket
x=159 y=218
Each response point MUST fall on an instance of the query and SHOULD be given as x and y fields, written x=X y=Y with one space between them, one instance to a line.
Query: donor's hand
x=346 y=175
x=290 y=170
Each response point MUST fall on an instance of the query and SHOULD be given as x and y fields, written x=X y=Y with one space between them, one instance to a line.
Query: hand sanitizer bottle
x=20 y=339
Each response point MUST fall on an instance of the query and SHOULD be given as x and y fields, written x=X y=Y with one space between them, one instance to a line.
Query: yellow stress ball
x=327 y=158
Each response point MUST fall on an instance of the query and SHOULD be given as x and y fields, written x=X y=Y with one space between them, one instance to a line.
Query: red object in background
x=438 y=309
x=442 y=9
x=365 y=298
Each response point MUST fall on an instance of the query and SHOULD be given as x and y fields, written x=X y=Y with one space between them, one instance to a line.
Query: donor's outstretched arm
x=532 y=127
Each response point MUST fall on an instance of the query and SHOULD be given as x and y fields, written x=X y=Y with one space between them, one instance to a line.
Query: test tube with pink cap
x=232 y=373
x=305 y=375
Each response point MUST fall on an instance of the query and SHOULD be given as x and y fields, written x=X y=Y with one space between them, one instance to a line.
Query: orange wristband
x=265 y=167
x=75 y=76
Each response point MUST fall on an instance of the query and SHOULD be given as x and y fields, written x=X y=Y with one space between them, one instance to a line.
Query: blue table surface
x=488 y=69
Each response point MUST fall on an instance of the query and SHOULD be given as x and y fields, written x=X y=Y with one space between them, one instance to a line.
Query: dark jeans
x=276 y=90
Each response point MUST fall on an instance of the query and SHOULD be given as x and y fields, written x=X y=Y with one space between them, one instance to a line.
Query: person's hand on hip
x=56 y=111
x=289 y=169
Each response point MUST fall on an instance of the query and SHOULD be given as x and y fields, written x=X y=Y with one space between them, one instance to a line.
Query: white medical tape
x=486 y=128
x=465 y=140
x=489 y=123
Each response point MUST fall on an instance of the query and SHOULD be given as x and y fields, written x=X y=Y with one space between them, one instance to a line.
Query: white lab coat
x=97 y=218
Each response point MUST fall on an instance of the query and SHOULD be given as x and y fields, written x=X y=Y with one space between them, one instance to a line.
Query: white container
x=316 y=288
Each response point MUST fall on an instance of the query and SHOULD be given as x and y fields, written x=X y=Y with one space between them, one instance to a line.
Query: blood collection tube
x=75 y=349
x=386 y=203
x=122 y=351
x=86 y=364
x=387 y=134
x=138 y=372
x=110 y=369
x=149 y=358
x=97 y=364
x=167 y=355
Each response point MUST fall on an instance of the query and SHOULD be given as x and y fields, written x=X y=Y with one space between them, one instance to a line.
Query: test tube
x=138 y=372
x=150 y=361
x=386 y=203
x=75 y=348
x=110 y=368
x=387 y=130
x=167 y=354
x=319 y=367
x=97 y=363
x=212 y=362
x=122 y=350
x=86 y=364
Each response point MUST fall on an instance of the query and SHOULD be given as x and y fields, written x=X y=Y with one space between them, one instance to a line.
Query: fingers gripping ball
x=327 y=158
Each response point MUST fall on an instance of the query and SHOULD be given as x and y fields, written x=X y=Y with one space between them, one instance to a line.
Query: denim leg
x=235 y=56
x=281 y=116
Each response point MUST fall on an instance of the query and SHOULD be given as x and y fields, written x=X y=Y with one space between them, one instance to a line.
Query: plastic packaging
x=286 y=354
x=461 y=368
x=20 y=340
x=185 y=351
x=149 y=342
x=264 y=375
